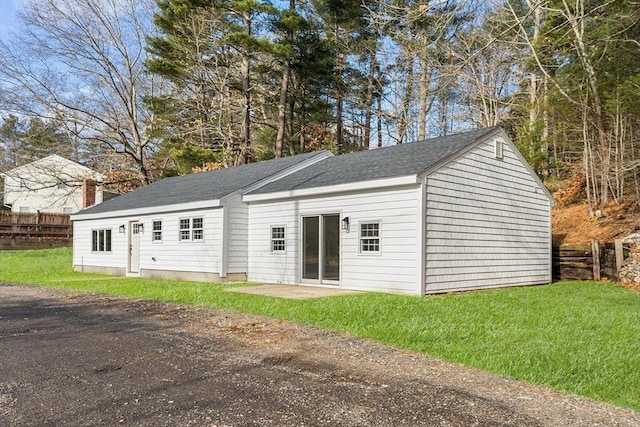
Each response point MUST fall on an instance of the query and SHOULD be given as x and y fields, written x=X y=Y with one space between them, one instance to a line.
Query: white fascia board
x=205 y=204
x=332 y=189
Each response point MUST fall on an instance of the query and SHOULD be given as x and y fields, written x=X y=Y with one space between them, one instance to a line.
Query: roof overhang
x=204 y=204
x=333 y=189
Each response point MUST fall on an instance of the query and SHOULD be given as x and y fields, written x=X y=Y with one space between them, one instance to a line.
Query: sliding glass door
x=321 y=248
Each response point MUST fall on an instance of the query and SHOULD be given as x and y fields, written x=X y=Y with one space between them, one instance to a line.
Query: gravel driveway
x=82 y=359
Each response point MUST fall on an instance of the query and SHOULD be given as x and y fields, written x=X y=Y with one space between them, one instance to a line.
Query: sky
x=8 y=16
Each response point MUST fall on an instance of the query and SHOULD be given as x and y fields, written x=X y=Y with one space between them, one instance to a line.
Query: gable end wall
x=487 y=223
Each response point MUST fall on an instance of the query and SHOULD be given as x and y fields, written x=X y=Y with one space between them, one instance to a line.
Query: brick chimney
x=88 y=193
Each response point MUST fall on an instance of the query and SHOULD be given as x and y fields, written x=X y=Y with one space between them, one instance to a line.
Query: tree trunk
x=406 y=102
x=244 y=155
x=369 y=100
x=577 y=25
x=379 y=114
x=339 y=124
x=284 y=88
x=423 y=93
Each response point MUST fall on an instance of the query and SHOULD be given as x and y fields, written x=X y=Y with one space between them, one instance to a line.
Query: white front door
x=134 y=247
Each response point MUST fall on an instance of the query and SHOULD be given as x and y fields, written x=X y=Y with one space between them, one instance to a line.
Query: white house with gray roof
x=451 y=213
x=52 y=184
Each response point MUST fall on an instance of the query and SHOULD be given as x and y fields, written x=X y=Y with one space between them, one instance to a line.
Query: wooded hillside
x=143 y=89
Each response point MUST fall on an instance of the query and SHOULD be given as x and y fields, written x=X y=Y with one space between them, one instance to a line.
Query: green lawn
x=580 y=337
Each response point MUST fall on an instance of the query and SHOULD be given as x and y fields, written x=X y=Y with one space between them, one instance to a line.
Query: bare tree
x=584 y=38
x=491 y=72
x=82 y=63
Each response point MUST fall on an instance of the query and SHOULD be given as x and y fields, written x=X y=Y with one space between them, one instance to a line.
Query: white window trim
x=190 y=230
x=272 y=239
x=193 y=229
x=361 y=238
x=98 y=231
x=153 y=231
x=180 y=230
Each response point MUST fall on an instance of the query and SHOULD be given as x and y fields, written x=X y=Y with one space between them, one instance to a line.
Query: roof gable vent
x=498 y=148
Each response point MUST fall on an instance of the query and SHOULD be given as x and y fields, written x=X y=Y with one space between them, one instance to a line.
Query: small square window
x=370 y=237
x=278 y=242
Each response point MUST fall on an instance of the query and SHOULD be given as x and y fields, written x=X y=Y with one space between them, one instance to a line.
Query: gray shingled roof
x=198 y=186
x=388 y=162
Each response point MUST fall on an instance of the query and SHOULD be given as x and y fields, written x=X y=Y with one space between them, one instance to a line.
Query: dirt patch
x=81 y=359
x=573 y=224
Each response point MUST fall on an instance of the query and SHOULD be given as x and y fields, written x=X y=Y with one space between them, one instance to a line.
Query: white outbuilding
x=451 y=213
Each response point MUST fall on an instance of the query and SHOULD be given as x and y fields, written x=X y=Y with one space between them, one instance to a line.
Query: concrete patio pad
x=291 y=291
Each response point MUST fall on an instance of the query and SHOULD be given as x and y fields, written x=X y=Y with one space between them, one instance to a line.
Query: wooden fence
x=588 y=262
x=38 y=225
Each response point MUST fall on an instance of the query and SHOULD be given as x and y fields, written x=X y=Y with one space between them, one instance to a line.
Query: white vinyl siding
x=83 y=253
x=202 y=256
x=396 y=267
x=172 y=255
x=487 y=223
x=236 y=244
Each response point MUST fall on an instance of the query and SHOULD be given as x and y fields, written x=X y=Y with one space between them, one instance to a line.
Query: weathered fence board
x=588 y=262
x=34 y=231
x=38 y=225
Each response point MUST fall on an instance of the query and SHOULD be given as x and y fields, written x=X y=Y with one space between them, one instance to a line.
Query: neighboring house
x=451 y=213
x=52 y=184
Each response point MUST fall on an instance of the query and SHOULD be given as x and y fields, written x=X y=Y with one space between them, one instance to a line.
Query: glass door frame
x=320 y=249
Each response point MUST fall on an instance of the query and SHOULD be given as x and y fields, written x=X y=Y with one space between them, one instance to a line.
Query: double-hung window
x=197 y=229
x=370 y=237
x=191 y=229
x=101 y=240
x=156 y=235
x=278 y=242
